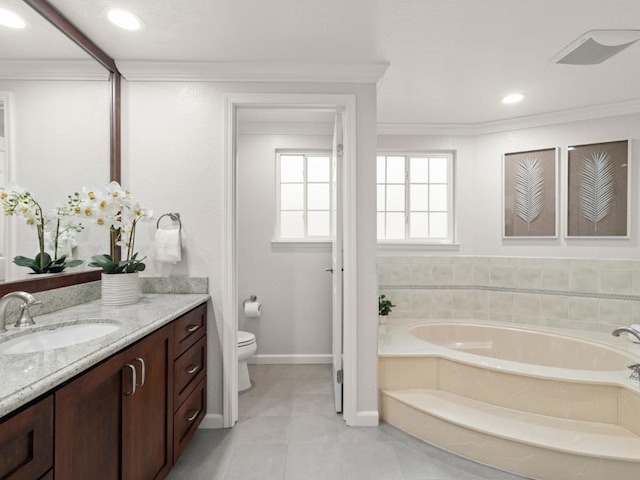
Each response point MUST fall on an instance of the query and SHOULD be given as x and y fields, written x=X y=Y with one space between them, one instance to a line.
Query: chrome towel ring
x=173 y=216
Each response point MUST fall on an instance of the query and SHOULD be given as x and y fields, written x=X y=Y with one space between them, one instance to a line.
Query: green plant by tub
x=384 y=306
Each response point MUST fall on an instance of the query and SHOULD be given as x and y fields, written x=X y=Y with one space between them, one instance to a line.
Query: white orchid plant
x=56 y=231
x=114 y=208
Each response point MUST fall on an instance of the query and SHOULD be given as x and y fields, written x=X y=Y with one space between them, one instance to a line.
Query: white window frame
x=306 y=240
x=423 y=243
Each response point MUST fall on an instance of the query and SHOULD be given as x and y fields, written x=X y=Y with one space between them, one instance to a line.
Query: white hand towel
x=168 y=248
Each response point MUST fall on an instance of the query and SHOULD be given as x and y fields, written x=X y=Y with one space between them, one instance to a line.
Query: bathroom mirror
x=59 y=100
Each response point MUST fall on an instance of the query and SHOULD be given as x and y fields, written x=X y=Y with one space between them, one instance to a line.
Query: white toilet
x=247 y=346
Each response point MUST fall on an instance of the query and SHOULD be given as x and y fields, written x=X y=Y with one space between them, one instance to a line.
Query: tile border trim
x=530 y=291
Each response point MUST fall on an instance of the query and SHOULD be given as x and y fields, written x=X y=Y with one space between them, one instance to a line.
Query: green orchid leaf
x=24 y=262
x=123 y=266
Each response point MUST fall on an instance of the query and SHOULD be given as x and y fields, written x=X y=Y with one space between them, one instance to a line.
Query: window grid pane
x=304 y=201
x=291 y=168
x=395 y=226
x=426 y=189
x=396 y=170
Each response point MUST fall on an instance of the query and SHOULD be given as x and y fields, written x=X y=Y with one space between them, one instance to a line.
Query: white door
x=336 y=259
x=3 y=221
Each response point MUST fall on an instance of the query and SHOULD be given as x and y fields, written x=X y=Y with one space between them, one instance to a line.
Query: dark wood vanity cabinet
x=26 y=442
x=189 y=374
x=126 y=418
x=114 y=422
x=147 y=449
x=89 y=428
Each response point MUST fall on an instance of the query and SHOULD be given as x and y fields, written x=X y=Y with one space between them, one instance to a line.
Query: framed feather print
x=598 y=190
x=530 y=195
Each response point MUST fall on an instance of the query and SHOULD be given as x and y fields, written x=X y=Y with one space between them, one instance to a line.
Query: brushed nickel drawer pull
x=133 y=380
x=193 y=416
x=143 y=372
x=193 y=369
x=192 y=328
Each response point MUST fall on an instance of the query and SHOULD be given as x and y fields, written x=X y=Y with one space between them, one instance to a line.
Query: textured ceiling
x=38 y=41
x=451 y=61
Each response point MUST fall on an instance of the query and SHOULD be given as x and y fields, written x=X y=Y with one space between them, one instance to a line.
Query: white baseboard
x=212 y=420
x=291 y=359
x=367 y=419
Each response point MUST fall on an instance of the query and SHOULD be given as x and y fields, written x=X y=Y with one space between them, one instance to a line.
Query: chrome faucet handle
x=25 y=319
x=635 y=371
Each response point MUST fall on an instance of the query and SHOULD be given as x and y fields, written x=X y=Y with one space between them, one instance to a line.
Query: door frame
x=230 y=303
x=10 y=231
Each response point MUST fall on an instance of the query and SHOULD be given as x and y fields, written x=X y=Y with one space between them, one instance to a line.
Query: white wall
x=479 y=185
x=60 y=140
x=290 y=281
x=173 y=161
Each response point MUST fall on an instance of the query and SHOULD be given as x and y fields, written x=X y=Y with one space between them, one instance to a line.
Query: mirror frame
x=59 y=21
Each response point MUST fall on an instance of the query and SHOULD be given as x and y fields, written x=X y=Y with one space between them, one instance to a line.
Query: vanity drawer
x=188 y=417
x=188 y=370
x=189 y=328
x=26 y=442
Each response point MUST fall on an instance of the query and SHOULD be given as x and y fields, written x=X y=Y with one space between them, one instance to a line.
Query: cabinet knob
x=191 y=369
x=192 y=328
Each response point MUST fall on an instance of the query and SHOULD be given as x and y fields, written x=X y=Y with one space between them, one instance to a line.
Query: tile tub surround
x=27 y=376
x=545 y=422
x=577 y=294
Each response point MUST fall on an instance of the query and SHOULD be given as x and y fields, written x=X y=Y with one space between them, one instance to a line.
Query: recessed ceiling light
x=513 y=98
x=124 y=19
x=10 y=19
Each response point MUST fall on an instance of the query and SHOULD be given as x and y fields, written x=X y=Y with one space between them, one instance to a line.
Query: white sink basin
x=63 y=336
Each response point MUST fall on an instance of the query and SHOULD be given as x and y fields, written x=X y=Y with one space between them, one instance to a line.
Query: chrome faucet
x=25 y=317
x=632 y=331
x=635 y=372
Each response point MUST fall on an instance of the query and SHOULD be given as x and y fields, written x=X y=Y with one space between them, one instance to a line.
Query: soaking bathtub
x=544 y=403
x=530 y=347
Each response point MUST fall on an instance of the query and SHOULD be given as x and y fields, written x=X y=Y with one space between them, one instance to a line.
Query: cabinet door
x=26 y=442
x=147 y=449
x=88 y=422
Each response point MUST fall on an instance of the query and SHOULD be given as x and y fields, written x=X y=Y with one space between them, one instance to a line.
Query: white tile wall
x=582 y=294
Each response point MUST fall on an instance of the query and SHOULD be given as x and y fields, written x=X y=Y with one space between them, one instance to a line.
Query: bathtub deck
x=522 y=442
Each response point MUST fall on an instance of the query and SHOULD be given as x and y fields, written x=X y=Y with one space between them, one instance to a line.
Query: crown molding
x=532 y=121
x=52 y=70
x=151 y=71
x=285 y=128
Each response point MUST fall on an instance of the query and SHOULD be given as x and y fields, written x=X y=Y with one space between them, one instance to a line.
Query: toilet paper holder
x=252 y=298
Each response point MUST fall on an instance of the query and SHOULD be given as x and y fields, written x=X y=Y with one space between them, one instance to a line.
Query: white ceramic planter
x=120 y=288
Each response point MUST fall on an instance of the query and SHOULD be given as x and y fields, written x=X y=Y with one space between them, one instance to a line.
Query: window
x=304 y=201
x=415 y=198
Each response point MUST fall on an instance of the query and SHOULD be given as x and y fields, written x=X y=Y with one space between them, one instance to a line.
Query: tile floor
x=288 y=430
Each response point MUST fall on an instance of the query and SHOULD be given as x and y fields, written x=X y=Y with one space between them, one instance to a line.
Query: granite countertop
x=29 y=375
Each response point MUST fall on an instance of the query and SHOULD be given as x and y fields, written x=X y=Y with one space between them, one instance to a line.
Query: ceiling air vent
x=596 y=46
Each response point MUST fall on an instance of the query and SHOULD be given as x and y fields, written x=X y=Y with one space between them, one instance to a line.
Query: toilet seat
x=245 y=338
